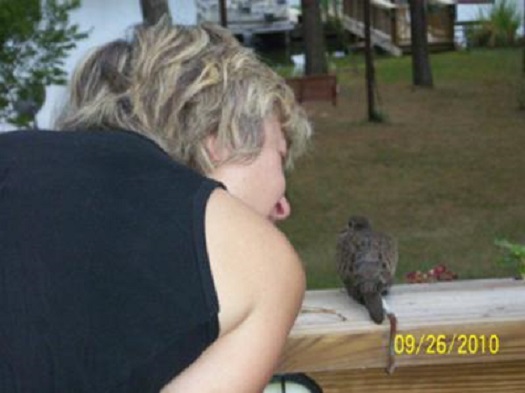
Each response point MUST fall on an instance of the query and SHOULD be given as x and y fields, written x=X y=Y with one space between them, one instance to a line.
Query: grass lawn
x=445 y=174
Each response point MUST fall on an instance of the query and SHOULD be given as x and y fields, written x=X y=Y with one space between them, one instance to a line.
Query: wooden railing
x=390 y=24
x=451 y=337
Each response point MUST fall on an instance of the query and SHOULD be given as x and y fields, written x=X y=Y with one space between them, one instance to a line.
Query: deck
x=335 y=343
x=390 y=24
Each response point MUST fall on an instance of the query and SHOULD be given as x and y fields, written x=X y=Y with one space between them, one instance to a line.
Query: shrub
x=514 y=255
x=497 y=27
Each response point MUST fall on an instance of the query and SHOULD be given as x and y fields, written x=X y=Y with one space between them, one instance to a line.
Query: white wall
x=108 y=20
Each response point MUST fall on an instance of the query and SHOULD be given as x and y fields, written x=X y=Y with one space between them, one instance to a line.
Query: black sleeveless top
x=105 y=284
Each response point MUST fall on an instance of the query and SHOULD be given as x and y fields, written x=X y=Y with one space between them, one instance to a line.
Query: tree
x=153 y=10
x=523 y=42
x=35 y=38
x=521 y=88
x=373 y=115
x=315 y=52
x=421 y=71
x=223 y=13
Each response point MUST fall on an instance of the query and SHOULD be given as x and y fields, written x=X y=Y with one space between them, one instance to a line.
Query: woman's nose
x=281 y=210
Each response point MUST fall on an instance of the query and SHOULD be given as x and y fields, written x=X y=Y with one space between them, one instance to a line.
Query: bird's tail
x=374 y=305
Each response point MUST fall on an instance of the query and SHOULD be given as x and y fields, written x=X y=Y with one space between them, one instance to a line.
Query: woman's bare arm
x=260 y=285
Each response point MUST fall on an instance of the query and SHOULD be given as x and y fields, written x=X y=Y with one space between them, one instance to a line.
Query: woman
x=141 y=254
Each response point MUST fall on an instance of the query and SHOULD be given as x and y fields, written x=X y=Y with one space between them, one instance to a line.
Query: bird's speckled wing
x=366 y=263
x=388 y=254
x=348 y=248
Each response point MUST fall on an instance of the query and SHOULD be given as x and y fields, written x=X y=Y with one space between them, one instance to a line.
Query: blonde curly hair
x=177 y=85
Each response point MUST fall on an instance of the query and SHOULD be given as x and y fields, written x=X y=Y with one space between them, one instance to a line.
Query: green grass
x=445 y=174
x=472 y=65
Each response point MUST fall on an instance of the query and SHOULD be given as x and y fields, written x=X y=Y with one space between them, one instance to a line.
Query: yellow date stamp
x=446 y=344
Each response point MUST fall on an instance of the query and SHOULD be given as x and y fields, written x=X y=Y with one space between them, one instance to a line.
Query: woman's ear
x=216 y=152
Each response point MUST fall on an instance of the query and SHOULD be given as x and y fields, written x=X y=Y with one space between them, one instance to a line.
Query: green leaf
x=35 y=38
x=514 y=254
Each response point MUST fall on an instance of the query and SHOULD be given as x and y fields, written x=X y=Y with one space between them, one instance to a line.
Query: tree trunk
x=421 y=71
x=523 y=42
x=370 y=74
x=153 y=10
x=223 y=13
x=315 y=52
x=335 y=6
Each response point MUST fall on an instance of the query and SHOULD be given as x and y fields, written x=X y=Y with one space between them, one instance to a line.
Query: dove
x=366 y=264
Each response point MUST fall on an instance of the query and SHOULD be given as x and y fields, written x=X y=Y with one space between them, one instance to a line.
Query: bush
x=497 y=27
x=514 y=255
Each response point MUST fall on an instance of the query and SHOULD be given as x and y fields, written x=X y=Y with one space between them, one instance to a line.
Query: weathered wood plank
x=335 y=333
x=478 y=377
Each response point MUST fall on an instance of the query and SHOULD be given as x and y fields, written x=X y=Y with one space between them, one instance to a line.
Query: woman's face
x=261 y=183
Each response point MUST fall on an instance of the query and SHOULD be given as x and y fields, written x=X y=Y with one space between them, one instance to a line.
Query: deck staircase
x=378 y=37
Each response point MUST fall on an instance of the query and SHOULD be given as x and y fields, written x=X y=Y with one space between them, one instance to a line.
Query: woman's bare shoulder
x=252 y=262
x=260 y=285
